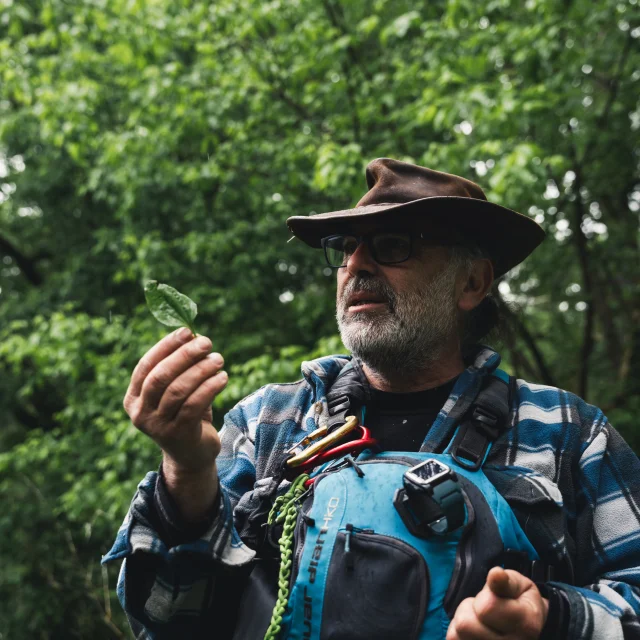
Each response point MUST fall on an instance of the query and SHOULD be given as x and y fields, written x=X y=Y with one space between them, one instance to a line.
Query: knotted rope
x=285 y=509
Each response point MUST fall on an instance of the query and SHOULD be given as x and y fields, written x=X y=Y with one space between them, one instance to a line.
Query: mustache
x=367 y=285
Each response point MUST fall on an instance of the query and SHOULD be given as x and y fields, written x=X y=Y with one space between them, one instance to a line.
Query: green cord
x=285 y=509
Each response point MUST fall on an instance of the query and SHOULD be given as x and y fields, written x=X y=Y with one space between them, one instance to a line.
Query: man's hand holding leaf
x=170 y=396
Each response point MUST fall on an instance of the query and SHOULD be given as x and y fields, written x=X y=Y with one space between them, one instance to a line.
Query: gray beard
x=411 y=334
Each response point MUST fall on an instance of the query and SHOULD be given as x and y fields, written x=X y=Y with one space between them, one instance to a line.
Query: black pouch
x=377 y=588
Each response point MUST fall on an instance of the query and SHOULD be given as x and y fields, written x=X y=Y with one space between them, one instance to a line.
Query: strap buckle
x=475 y=438
x=486 y=422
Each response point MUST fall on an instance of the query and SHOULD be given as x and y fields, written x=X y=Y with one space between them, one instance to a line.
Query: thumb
x=507 y=583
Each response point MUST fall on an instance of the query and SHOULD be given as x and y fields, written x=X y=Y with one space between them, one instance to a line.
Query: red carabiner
x=365 y=441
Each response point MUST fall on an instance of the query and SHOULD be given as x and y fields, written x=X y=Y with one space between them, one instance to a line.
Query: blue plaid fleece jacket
x=572 y=481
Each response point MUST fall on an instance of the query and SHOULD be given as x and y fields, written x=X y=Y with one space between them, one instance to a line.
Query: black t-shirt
x=401 y=421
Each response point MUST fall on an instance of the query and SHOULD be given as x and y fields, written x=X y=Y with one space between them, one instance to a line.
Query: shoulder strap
x=484 y=423
x=348 y=394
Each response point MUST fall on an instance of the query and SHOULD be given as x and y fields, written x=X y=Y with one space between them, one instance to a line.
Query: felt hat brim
x=507 y=236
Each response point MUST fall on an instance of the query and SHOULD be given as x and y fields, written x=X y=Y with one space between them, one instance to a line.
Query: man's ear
x=477 y=285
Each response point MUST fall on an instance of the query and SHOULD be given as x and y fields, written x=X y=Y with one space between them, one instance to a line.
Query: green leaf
x=169 y=306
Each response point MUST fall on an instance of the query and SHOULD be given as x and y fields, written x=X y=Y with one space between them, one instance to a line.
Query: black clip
x=486 y=422
x=483 y=424
x=470 y=446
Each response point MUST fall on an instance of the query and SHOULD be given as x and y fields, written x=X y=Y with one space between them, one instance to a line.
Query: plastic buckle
x=467 y=458
x=471 y=446
x=486 y=422
x=401 y=502
x=434 y=506
x=336 y=405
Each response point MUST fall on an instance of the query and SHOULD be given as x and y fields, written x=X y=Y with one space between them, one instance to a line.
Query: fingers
x=186 y=383
x=200 y=400
x=499 y=614
x=467 y=626
x=170 y=396
x=519 y=609
x=509 y=606
x=156 y=354
x=166 y=371
x=506 y=583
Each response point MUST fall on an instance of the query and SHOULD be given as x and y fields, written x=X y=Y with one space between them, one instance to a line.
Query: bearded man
x=497 y=469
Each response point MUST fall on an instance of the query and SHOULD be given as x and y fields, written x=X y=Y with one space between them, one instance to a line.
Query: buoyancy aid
x=387 y=545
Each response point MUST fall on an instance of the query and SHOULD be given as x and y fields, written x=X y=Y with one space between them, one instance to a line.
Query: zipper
x=343 y=464
x=405 y=460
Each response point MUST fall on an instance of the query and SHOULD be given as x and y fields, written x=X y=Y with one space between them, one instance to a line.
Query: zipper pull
x=308 y=520
x=356 y=467
x=348 y=555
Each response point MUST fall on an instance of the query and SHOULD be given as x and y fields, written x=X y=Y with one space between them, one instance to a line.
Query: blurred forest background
x=170 y=140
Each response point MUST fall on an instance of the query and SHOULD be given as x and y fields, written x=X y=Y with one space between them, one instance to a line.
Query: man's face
x=398 y=318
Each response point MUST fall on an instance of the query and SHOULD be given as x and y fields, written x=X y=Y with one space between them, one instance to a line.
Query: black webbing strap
x=535 y=570
x=348 y=394
x=485 y=421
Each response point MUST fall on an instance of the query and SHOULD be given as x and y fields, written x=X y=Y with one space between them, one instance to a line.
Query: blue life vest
x=361 y=574
x=358 y=570
x=361 y=569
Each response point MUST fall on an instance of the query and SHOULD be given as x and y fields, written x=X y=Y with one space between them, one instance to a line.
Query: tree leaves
x=169 y=306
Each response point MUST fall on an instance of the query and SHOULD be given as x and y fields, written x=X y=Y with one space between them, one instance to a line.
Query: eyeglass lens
x=386 y=248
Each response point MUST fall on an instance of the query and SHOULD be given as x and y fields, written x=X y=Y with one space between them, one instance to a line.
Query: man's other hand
x=509 y=607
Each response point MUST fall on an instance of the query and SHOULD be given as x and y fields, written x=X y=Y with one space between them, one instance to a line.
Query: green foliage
x=170 y=307
x=171 y=140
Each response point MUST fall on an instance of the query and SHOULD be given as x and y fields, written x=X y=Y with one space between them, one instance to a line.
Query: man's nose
x=361 y=260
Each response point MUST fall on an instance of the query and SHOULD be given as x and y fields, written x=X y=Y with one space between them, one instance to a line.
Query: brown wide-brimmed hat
x=403 y=194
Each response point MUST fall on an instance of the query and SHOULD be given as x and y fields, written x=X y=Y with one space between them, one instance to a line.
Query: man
x=415 y=261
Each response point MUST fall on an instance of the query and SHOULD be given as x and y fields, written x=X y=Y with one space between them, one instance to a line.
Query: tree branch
x=579 y=238
x=579 y=214
x=278 y=89
x=26 y=265
x=615 y=86
x=339 y=23
x=66 y=534
x=528 y=339
x=580 y=241
x=629 y=322
x=522 y=367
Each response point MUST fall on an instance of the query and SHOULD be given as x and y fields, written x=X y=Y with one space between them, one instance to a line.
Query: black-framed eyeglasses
x=386 y=247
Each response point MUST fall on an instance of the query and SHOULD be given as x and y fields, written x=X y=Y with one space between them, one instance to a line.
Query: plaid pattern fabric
x=572 y=481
